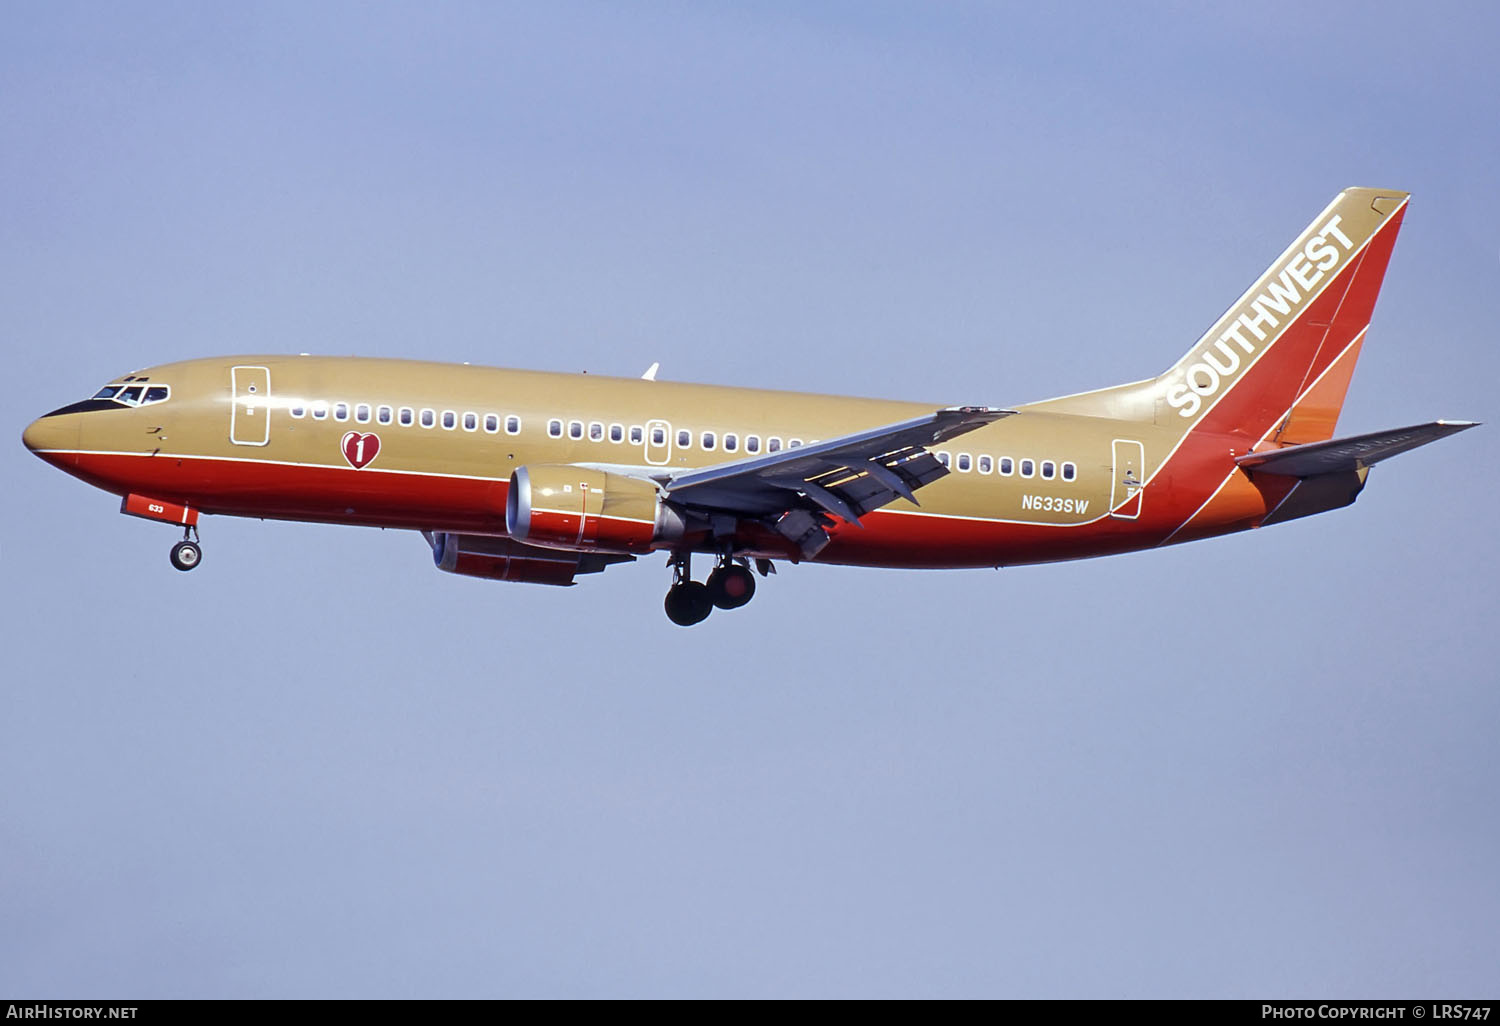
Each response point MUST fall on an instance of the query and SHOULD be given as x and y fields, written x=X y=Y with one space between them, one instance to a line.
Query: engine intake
x=568 y=507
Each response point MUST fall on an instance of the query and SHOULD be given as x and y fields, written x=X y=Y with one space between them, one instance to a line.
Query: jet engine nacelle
x=569 y=507
x=501 y=559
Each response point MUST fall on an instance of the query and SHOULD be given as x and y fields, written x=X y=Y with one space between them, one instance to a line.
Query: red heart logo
x=360 y=450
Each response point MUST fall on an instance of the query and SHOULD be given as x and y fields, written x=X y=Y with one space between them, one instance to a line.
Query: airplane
x=537 y=477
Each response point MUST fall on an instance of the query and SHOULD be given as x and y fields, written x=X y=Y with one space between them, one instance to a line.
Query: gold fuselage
x=278 y=451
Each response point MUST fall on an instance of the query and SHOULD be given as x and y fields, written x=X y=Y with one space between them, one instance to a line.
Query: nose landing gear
x=187 y=553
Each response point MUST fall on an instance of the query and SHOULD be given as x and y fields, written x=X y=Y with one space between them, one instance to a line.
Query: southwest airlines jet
x=538 y=477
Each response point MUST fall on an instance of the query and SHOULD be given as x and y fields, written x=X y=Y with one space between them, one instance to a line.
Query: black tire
x=731 y=586
x=186 y=555
x=688 y=603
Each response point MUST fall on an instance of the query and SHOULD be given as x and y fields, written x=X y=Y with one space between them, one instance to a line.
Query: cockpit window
x=135 y=395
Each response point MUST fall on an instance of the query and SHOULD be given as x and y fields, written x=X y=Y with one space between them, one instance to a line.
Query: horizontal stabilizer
x=1357 y=452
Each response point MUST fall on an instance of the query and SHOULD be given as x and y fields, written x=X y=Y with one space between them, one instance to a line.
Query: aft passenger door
x=1129 y=468
x=250 y=414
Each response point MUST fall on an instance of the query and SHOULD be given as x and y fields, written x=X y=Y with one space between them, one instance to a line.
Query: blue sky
x=1259 y=765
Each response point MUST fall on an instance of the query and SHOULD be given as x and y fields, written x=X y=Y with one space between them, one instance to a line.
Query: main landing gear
x=730 y=586
x=187 y=553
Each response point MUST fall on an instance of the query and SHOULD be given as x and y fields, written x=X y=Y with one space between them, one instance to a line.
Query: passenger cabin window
x=406 y=416
x=471 y=421
x=710 y=440
x=1070 y=471
x=340 y=411
x=731 y=443
x=658 y=436
x=1007 y=466
x=512 y=425
x=362 y=413
x=684 y=439
x=617 y=433
x=450 y=420
x=965 y=462
x=383 y=414
x=429 y=418
x=1028 y=468
x=637 y=434
x=985 y=464
x=773 y=444
x=575 y=429
x=491 y=424
x=319 y=410
x=596 y=432
x=944 y=458
x=298 y=410
x=1049 y=469
x=554 y=429
x=752 y=443
x=795 y=443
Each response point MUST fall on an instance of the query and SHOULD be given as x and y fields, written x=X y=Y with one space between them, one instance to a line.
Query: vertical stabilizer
x=1277 y=364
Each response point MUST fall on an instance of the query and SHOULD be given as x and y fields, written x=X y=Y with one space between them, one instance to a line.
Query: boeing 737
x=541 y=477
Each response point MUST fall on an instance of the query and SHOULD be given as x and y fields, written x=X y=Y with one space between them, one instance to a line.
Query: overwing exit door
x=658 y=442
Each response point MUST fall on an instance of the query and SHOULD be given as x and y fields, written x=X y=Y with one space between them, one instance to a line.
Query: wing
x=795 y=489
x=1344 y=454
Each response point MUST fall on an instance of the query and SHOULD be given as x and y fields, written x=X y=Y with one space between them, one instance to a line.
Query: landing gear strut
x=187 y=553
x=688 y=602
